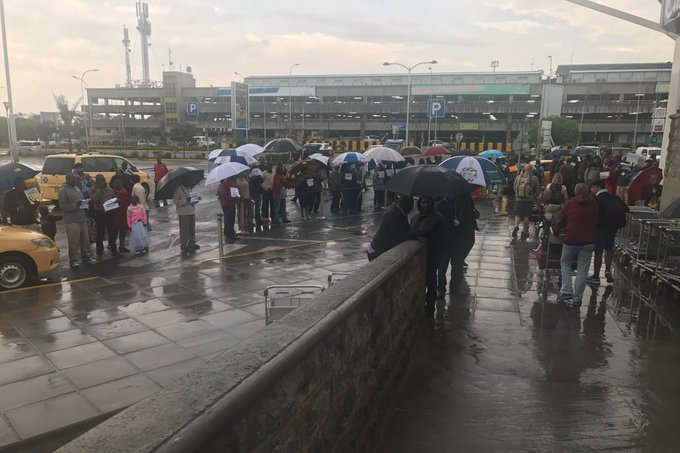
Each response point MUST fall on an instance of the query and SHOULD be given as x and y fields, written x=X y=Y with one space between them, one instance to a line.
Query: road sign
x=436 y=108
x=459 y=137
x=192 y=108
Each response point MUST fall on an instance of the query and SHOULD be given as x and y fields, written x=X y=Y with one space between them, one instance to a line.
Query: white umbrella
x=224 y=171
x=350 y=158
x=320 y=157
x=384 y=154
x=470 y=169
x=215 y=153
x=251 y=149
x=238 y=158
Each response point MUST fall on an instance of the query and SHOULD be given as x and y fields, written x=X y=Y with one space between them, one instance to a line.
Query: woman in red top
x=121 y=213
x=159 y=170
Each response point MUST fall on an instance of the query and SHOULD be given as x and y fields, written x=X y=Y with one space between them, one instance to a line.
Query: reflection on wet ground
x=507 y=368
x=76 y=349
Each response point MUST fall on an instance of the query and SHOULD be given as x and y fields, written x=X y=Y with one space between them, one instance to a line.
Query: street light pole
x=638 y=95
x=12 y=130
x=84 y=100
x=290 y=99
x=408 y=88
x=429 y=117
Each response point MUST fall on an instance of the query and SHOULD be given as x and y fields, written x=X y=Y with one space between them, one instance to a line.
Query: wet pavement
x=97 y=339
x=505 y=368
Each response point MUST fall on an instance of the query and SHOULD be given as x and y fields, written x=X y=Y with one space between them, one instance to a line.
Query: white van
x=29 y=145
x=646 y=151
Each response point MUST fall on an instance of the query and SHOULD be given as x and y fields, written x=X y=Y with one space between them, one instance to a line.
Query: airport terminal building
x=612 y=103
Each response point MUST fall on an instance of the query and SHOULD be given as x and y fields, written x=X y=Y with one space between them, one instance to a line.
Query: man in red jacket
x=578 y=220
x=159 y=170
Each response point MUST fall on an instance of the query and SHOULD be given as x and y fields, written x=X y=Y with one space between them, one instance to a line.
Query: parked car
x=30 y=145
x=372 y=138
x=203 y=141
x=57 y=166
x=646 y=151
x=311 y=148
x=146 y=144
x=25 y=254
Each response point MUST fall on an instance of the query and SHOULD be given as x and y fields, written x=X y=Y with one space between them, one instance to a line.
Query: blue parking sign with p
x=436 y=108
x=192 y=108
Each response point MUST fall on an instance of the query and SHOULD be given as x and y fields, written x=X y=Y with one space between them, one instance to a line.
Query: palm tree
x=67 y=114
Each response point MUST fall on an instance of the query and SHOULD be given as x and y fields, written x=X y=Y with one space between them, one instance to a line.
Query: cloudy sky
x=51 y=40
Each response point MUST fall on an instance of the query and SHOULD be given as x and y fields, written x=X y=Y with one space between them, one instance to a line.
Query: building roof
x=566 y=69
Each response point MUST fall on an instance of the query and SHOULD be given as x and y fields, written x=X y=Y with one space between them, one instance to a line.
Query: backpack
x=615 y=211
x=523 y=186
x=555 y=196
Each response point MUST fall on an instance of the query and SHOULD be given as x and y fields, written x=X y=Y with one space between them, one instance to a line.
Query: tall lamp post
x=89 y=111
x=638 y=95
x=290 y=99
x=408 y=87
x=12 y=130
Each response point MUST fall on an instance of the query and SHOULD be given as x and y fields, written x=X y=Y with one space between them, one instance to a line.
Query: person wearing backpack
x=578 y=221
x=555 y=195
x=527 y=190
x=612 y=216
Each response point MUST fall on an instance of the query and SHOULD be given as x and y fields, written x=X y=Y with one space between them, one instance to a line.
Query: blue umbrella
x=350 y=158
x=476 y=170
x=9 y=172
x=491 y=154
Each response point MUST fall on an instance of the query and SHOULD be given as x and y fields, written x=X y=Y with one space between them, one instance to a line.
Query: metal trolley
x=667 y=268
x=628 y=237
x=279 y=300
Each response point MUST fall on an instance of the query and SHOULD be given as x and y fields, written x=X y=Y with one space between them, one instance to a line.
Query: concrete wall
x=671 y=171
x=319 y=380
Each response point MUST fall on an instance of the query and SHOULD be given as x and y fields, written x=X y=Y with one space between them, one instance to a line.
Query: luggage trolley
x=646 y=256
x=279 y=300
x=628 y=237
x=667 y=270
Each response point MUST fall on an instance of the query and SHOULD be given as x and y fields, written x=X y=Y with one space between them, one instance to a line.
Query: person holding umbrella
x=430 y=223
x=17 y=207
x=184 y=204
x=459 y=224
x=228 y=201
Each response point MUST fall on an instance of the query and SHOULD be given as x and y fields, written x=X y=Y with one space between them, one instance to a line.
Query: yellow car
x=25 y=254
x=56 y=167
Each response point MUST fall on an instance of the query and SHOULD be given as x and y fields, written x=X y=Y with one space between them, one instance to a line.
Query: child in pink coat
x=136 y=220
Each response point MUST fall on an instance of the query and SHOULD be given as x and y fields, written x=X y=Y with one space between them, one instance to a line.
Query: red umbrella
x=640 y=181
x=436 y=151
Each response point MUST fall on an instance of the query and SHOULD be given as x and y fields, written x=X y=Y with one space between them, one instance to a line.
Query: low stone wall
x=319 y=380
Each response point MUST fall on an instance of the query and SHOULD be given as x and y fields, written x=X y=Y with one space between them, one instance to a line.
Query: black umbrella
x=428 y=181
x=166 y=186
x=282 y=145
x=583 y=151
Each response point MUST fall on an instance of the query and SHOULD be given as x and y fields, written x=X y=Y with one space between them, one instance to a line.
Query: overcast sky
x=51 y=40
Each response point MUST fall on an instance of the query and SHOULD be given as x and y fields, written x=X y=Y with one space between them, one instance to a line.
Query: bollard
x=219 y=234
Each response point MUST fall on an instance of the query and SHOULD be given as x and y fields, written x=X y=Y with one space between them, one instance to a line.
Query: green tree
x=183 y=134
x=68 y=115
x=564 y=131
